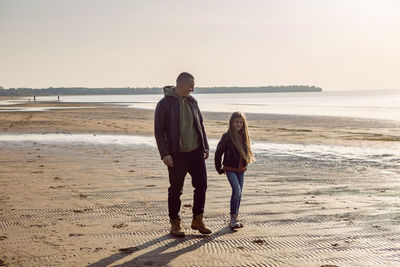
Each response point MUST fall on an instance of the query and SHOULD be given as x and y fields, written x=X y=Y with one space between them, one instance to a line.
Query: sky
x=333 y=44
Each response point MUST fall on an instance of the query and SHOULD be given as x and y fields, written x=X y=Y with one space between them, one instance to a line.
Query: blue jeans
x=236 y=180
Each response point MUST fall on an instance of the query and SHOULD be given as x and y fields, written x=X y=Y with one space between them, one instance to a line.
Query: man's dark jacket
x=166 y=125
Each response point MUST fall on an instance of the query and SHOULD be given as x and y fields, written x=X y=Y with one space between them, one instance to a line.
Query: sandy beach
x=71 y=204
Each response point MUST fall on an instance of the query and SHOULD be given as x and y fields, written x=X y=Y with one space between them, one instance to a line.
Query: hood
x=170 y=91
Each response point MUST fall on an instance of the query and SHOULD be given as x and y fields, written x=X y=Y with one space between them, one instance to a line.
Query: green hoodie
x=188 y=136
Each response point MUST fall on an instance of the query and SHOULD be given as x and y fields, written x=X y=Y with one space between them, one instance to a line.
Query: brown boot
x=198 y=224
x=176 y=229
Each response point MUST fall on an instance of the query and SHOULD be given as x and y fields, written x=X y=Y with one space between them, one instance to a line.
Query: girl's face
x=237 y=124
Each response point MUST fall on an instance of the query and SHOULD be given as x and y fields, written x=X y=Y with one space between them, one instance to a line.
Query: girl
x=235 y=146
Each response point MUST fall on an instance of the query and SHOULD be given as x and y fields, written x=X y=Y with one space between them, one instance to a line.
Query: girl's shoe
x=239 y=222
x=233 y=222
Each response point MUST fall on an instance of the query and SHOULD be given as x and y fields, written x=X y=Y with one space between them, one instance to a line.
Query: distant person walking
x=183 y=147
x=236 y=149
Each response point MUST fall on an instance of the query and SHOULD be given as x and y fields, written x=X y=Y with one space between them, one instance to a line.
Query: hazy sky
x=334 y=44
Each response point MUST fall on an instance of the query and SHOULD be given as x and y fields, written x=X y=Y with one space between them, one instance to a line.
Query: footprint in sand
x=76 y=235
x=82 y=196
x=119 y=225
x=259 y=242
x=56 y=187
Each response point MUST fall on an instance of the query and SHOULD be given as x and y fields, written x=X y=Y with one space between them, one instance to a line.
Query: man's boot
x=198 y=224
x=176 y=229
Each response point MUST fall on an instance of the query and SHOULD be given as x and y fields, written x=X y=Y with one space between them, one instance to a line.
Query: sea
x=368 y=104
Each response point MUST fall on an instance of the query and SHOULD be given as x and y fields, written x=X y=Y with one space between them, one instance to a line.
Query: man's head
x=184 y=84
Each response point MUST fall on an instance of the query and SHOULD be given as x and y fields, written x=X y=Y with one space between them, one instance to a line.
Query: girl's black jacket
x=232 y=157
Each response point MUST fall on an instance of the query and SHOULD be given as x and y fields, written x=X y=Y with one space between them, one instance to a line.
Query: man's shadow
x=154 y=256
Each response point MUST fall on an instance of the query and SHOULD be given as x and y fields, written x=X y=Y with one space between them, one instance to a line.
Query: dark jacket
x=166 y=125
x=232 y=157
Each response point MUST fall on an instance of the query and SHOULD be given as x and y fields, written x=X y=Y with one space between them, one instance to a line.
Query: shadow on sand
x=157 y=257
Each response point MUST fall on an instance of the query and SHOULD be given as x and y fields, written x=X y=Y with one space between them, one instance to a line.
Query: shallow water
x=36 y=109
x=79 y=139
x=12 y=102
x=386 y=159
x=377 y=104
x=374 y=104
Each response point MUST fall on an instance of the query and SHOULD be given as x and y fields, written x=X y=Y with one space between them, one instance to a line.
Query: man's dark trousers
x=193 y=163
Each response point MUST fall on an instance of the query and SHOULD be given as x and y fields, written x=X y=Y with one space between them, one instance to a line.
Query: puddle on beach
x=35 y=109
x=79 y=139
x=386 y=157
x=12 y=102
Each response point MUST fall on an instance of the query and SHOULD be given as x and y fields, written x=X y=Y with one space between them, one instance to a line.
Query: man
x=183 y=147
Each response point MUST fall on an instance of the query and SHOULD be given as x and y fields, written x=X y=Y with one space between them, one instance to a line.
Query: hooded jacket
x=232 y=156
x=167 y=123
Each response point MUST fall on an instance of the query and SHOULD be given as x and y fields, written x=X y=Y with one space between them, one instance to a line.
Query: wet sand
x=117 y=119
x=106 y=205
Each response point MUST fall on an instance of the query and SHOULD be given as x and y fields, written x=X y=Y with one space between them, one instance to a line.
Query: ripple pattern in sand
x=288 y=212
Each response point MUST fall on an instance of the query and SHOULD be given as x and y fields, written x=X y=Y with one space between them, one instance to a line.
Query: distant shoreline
x=154 y=90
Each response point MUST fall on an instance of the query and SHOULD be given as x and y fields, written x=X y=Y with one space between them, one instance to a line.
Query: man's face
x=187 y=87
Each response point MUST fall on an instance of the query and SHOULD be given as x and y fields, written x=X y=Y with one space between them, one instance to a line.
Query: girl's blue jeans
x=236 y=180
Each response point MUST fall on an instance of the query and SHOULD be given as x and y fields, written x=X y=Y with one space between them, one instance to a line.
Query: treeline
x=152 y=90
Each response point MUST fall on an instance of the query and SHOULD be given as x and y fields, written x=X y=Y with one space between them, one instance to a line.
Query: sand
x=106 y=205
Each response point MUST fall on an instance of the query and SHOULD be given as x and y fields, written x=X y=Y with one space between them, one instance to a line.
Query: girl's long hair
x=247 y=154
